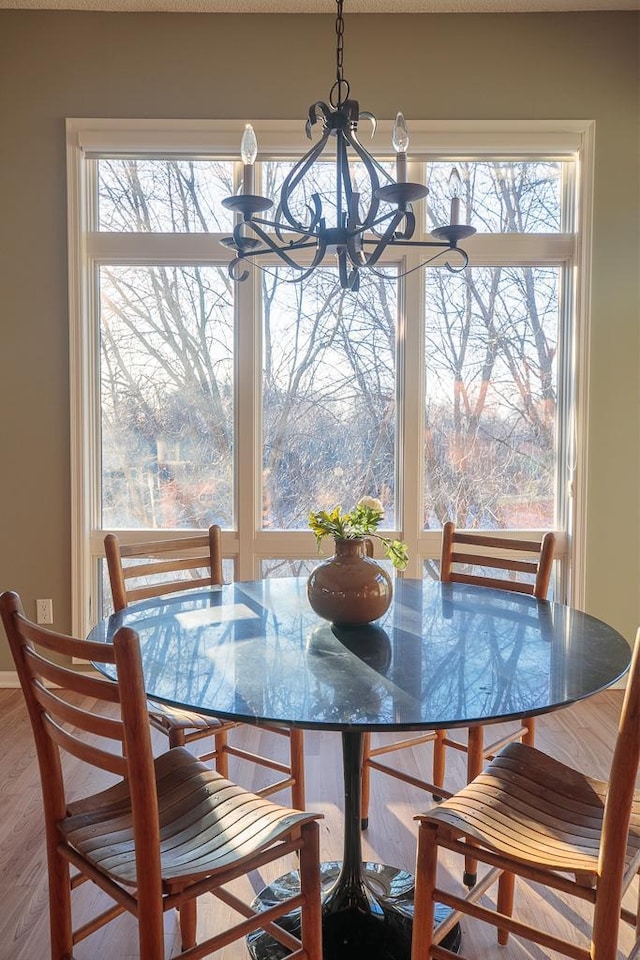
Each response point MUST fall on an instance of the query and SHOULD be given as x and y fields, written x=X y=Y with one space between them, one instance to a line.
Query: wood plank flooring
x=582 y=735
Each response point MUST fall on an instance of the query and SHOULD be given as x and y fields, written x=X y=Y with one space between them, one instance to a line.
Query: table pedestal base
x=381 y=932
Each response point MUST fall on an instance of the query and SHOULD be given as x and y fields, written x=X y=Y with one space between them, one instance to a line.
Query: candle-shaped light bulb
x=248 y=154
x=455 y=190
x=400 y=140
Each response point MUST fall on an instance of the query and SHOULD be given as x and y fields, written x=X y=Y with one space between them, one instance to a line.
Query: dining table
x=443 y=656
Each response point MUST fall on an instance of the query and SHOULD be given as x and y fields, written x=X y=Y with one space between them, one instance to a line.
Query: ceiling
x=324 y=6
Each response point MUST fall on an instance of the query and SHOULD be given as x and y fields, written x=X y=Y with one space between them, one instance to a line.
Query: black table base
x=367 y=908
x=349 y=930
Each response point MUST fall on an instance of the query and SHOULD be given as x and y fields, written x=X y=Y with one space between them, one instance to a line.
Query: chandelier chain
x=339 y=43
x=340 y=89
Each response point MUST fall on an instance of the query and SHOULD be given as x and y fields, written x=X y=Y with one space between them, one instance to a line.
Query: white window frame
x=248 y=545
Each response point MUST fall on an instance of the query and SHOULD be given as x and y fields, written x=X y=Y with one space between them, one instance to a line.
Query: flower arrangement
x=362 y=521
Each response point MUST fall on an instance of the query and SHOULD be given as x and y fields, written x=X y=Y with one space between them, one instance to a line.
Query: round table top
x=443 y=655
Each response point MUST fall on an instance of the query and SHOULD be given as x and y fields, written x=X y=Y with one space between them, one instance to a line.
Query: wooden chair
x=162 y=571
x=470 y=550
x=530 y=816
x=168 y=830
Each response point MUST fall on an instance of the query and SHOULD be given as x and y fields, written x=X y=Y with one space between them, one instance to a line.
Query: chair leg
x=530 y=731
x=150 y=909
x=59 y=905
x=222 y=757
x=475 y=761
x=475 y=752
x=310 y=883
x=365 y=782
x=296 y=746
x=151 y=928
x=506 y=886
x=188 y=923
x=426 y=866
x=177 y=738
x=439 y=760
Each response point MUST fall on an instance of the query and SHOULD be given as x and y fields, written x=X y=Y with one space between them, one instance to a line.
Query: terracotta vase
x=349 y=588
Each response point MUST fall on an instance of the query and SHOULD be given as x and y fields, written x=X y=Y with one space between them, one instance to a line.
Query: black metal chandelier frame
x=357 y=239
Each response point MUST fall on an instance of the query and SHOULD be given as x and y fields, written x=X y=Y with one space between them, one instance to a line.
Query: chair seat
x=169 y=718
x=207 y=823
x=535 y=810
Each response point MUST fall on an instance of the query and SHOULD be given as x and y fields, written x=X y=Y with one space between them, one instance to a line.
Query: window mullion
x=248 y=420
x=411 y=406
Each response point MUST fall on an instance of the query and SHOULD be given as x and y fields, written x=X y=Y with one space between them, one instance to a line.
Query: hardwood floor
x=582 y=735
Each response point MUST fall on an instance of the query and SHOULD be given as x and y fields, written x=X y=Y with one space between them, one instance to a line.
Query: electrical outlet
x=44 y=611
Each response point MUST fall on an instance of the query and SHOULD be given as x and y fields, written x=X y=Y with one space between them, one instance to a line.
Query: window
x=448 y=396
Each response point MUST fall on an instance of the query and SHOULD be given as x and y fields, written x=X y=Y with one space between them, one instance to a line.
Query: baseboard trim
x=9 y=680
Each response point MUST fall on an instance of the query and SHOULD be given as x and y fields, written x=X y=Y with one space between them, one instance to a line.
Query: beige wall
x=61 y=64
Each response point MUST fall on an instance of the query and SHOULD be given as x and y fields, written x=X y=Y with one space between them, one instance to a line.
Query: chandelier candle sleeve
x=248 y=154
x=455 y=186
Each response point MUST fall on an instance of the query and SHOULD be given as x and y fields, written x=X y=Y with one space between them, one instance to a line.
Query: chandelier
x=356 y=237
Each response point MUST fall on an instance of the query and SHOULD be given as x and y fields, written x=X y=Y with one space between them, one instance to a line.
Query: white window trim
x=430 y=139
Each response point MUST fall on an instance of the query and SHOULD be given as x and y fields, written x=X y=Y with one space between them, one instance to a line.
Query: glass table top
x=443 y=655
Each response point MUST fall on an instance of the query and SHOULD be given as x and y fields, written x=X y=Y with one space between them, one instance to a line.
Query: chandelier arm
x=362 y=151
x=358 y=256
x=279 y=251
x=239 y=233
x=409 y=227
x=370 y=166
x=464 y=256
x=279 y=228
x=292 y=180
x=307 y=271
x=419 y=266
x=426 y=243
x=255 y=226
x=234 y=268
x=272 y=247
x=358 y=231
x=240 y=237
x=344 y=186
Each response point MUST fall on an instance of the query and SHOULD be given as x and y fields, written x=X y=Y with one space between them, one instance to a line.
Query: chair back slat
x=161 y=559
x=497 y=583
x=62 y=644
x=166 y=587
x=496 y=542
x=65 y=712
x=468 y=550
x=497 y=563
x=156 y=548
x=79 y=748
x=617 y=818
x=80 y=683
x=159 y=567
